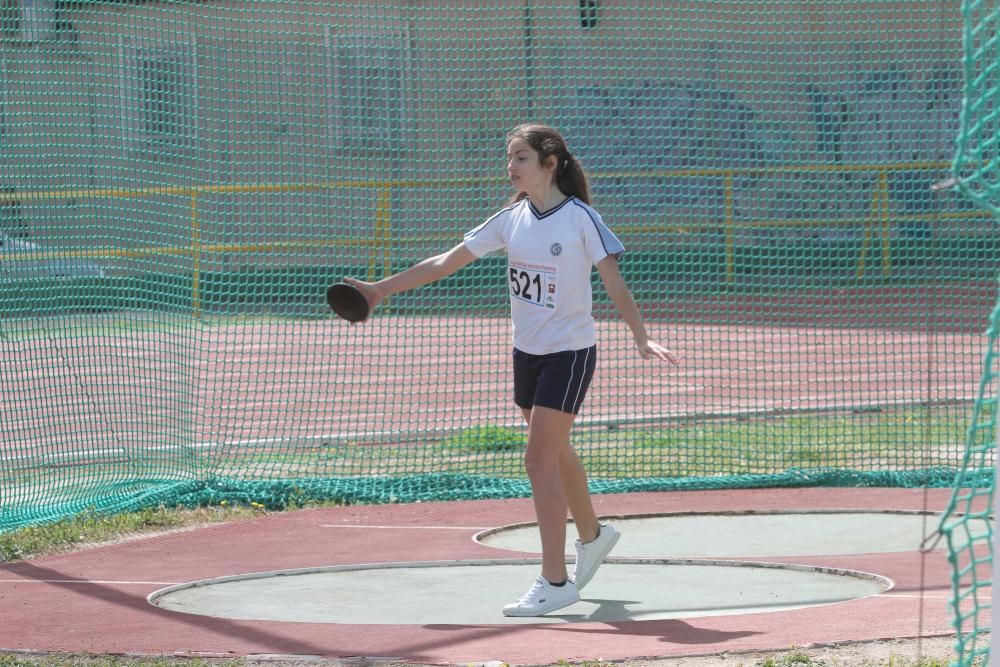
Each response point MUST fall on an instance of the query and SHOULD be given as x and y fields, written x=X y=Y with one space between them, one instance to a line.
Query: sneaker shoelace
x=529 y=596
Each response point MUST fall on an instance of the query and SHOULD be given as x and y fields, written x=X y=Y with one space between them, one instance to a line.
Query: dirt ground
x=934 y=651
x=897 y=653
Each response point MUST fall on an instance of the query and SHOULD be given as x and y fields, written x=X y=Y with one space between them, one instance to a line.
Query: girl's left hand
x=653 y=350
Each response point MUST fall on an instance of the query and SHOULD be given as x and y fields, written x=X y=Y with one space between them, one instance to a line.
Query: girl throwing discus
x=553 y=239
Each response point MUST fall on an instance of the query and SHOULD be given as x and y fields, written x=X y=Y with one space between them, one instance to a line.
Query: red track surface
x=95 y=600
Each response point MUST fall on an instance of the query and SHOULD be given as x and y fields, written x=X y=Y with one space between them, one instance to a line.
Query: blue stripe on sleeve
x=612 y=245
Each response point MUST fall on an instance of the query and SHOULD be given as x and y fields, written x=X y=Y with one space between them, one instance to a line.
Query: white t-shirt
x=550 y=257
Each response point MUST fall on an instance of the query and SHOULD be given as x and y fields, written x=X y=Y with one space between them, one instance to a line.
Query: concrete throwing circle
x=474 y=592
x=753 y=534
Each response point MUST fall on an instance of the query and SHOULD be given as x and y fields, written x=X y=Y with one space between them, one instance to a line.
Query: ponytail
x=571 y=178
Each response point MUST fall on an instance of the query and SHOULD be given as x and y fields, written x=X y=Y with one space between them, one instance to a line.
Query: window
x=159 y=97
x=10 y=18
x=4 y=85
x=28 y=20
x=11 y=214
x=367 y=82
x=12 y=222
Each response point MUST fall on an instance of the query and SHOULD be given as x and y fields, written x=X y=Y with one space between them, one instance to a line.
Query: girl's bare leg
x=558 y=484
x=574 y=481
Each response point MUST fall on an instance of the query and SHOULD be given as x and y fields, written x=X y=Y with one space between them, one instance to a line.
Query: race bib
x=534 y=283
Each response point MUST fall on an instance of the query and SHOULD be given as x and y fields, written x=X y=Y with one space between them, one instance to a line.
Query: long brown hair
x=546 y=141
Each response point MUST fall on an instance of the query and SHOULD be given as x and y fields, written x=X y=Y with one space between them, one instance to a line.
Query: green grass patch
x=93 y=527
x=487 y=439
x=903 y=439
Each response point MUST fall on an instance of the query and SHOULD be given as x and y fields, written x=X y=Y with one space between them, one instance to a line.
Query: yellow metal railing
x=380 y=243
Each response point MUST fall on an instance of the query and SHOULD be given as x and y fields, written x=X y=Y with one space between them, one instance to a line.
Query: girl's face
x=527 y=173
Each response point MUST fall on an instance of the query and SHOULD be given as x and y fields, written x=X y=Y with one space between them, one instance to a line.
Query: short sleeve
x=489 y=236
x=598 y=239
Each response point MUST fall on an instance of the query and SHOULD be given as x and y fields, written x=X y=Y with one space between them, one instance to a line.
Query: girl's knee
x=541 y=460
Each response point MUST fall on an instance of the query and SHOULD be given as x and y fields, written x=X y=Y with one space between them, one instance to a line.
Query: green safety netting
x=975 y=167
x=181 y=181
x=967 y=524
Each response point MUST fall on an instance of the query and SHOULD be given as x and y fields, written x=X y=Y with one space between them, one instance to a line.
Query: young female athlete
x=552 y=238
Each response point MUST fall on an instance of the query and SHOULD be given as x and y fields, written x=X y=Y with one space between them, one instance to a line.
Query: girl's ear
x=551 y=162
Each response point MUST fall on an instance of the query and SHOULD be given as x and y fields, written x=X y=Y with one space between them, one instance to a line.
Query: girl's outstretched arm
x=622 y=298
x=426 y=272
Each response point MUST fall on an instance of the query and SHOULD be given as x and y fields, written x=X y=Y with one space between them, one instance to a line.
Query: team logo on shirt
x=556 y=249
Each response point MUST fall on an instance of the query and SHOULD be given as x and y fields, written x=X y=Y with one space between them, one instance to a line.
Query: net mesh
x=183 y=179
x=966 y=523
x=975 y=163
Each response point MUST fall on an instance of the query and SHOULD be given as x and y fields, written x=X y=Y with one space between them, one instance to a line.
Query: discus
x=347 y=301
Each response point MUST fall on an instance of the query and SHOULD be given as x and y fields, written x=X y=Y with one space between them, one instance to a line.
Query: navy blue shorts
x=558 y=380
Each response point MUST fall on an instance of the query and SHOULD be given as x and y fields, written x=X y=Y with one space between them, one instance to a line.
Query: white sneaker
x=542 y=598
x=589 y=556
